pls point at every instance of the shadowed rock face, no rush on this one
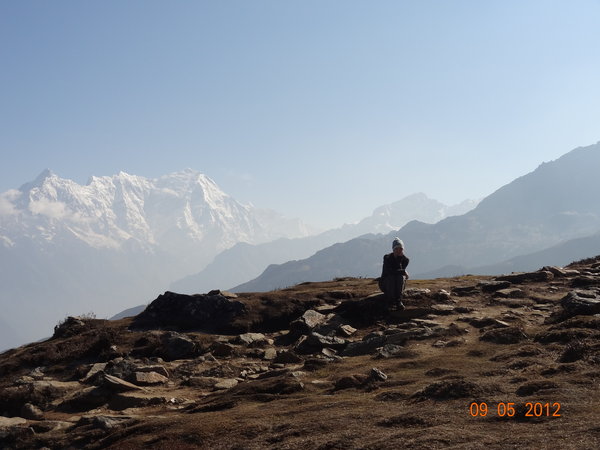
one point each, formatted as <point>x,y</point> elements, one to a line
<point>211,313</point>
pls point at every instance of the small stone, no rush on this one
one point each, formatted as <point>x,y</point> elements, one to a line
<point>11,421</point>
<point>510,293</point>
<point>287,357</point>
<point>226,384</point>
<point>119,384</point>
<point>442,295</point>
<point>94,370</point>
<point>346,330</point>
<point>149,378</point>
<point>249,338</point>
<point>270,354</point>
<point>222,350</point>
<point>31,412</point>
<point>377,375</point>
<point>155,368</point>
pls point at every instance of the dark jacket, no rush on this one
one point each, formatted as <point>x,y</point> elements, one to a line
<point>393,265</point>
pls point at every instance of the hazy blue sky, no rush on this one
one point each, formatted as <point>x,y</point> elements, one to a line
<point>320,109</point>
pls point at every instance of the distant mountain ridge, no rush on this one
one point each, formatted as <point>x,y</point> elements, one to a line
<point>245,261</point>
<point>555,203</point>
<point>115,242</point>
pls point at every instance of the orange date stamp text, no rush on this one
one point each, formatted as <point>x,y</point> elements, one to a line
<point>509,409</point>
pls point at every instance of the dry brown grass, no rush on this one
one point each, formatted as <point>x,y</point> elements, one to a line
<point>425,402</point>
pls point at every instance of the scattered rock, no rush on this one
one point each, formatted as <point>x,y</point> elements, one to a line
<point>71,326</point>
<point>225,294</point>
<point>416,293</point>
<point>315,342</point>
<point>307,323</point>
<point>153,368</point>
<point>556,271</point>
<point>96,369</point>
<point>346,331</point>
<point>442,310</point>
<point>133,399</point>
<point>508,335</point>
<point>287,357</point>
<point>107,423</point>
<point>444,344</point>
<point>442,296</point>
<point>485,322</point>
<point>31,412</point>
<point>364,347</point>
<point>465,291</point>
<point>270,354</point>
<point>117,384</point>
<point>510,293</point>
<point>251,339</point>
<point>515,302</point>
<point>585,281</point>
<point>493,286</point>
<point>11,421</point>
<point>394,351</point>
<point>211,313</point>
<point>226,384</point>
<point>585,303</point>
<point>377,375</point>
<point>177,346</point>
<point>86,399</point>
<point>517,278</point>
<point>222,350</point>
<point>402,336</point>
<point>149,378</point>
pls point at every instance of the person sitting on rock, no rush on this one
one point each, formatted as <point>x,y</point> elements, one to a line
<point>393,275</point>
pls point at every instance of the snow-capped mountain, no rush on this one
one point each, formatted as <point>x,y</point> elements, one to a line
<point>417,206</point>
<point>167,212</point>
<point>67,248</point>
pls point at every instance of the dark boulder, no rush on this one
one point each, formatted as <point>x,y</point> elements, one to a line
<point>493,286</point>
<point>585,281</point>
<point>586,303</point>
<point>210,313</point>
<point>177,346</point>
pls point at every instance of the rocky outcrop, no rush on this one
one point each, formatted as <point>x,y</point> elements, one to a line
<point>581,302</point>
<point>210,313</point>
<point>517,278</point>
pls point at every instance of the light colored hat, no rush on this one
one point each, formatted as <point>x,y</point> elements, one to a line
<point>397,243</point>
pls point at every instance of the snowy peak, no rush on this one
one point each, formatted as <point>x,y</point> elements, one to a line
<point>170,212</point>
<point>417,206</point>
<point>38,181</point>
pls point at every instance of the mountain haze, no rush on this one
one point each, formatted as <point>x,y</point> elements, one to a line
<point>555,203</point>
<point>115,242</point>
<point>246,261</point>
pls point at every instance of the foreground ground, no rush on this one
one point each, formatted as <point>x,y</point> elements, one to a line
<point>473,362</point>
